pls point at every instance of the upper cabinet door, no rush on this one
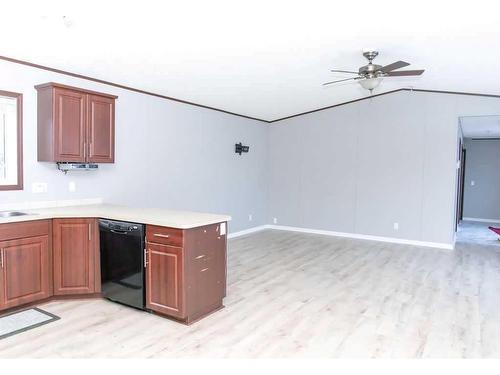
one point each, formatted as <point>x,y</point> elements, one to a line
<point>69,125</point>
<point>101,129</point>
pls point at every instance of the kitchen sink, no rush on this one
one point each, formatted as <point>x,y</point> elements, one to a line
<point>12,213</point>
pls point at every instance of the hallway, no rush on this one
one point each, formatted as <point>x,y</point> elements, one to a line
<point>477,233</point>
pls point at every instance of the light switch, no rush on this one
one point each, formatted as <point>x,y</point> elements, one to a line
<point>472,183</point>
<point>250,217</point>
<point>72,186</point>
<point>396,226</point>
<point>39,187</point>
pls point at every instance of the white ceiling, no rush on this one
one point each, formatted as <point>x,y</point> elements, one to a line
<point>480,126</point>
<point>265,59</point>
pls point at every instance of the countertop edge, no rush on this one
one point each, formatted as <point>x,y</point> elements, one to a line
<point>34,216</point>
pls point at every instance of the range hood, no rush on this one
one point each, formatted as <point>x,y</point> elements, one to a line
<point>65,167</point>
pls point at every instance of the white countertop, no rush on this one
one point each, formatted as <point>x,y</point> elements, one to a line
<point>153,216</point>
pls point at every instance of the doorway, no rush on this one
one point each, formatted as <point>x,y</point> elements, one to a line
<point>478,180</point>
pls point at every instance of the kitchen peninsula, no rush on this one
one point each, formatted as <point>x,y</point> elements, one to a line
<point>55,253</point>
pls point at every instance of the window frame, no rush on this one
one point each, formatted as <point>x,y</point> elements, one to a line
<point>19,104</point>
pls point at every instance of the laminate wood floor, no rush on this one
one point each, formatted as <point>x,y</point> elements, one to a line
<point>301,295</point>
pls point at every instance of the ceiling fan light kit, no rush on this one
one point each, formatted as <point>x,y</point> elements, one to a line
<point>371,75</point>
<point>370,83</point>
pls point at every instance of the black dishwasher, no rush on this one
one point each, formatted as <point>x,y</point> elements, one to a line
<point>122,262</point>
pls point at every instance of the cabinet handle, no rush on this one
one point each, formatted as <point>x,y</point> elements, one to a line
<point>161,235</point>
<point>204,269</point>
<point>90,232</point>
<point>1,258</point>
<point>84,151</point>
<point>145,258</point>
<point>200,256</point>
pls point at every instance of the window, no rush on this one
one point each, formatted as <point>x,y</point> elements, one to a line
<point>11,150</point>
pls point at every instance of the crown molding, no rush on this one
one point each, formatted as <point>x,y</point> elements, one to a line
<point>386,93</point>
<point>336,105</point>
<point>81,76</point>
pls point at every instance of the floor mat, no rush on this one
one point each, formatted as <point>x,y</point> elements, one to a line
<point>22,321</point>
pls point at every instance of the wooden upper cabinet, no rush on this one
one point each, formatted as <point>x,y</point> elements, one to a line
<point>69,125</point>
<point>75,125</point>
<point>76,256</point>
<point>101,129</point>
<point>25,271</point>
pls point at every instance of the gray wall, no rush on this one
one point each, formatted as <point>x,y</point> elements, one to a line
<point>359,168</point>
<point>356,168</point>
<point>168,155</point>
<point>482,201</point>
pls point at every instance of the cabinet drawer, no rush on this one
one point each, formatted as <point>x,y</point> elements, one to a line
<point>24,229</point>
<point>164,235</point>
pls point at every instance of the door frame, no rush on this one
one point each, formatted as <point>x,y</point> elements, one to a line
<point>459,206</point>
<point>463,165</point>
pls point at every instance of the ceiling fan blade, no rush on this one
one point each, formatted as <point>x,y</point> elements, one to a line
<point>405,73</point>
<point>340,80</point>
<point>343,71</point>
<point>394,66</point>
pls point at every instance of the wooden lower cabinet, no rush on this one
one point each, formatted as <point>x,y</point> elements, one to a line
<point>42,258</point>
<point>25,271</point>
<point>25,263</point>
<point>186,281</point>
<point>185,269</point>
<point>164,279</point>
<point>76,256</point>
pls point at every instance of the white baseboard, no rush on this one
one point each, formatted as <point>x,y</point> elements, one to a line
<point>247,231</point>
<point>481,220</point>
<point>439,245</point>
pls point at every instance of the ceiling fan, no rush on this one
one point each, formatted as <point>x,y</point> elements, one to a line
<point>369,76</point>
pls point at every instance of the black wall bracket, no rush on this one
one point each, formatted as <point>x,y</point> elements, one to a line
<point>239,148</point>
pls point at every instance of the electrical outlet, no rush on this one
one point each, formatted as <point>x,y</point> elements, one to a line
<point>396,226</point>
<point>275,220</point>
<point>250,217</point>
<point>39,187</point>
<point>72,186</point>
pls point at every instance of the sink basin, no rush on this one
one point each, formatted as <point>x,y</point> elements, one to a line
<point>11,213</point>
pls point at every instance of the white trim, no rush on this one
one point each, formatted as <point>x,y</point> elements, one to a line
<point>439,245</point>
<point>247,231</point>
<point>481,220</point>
